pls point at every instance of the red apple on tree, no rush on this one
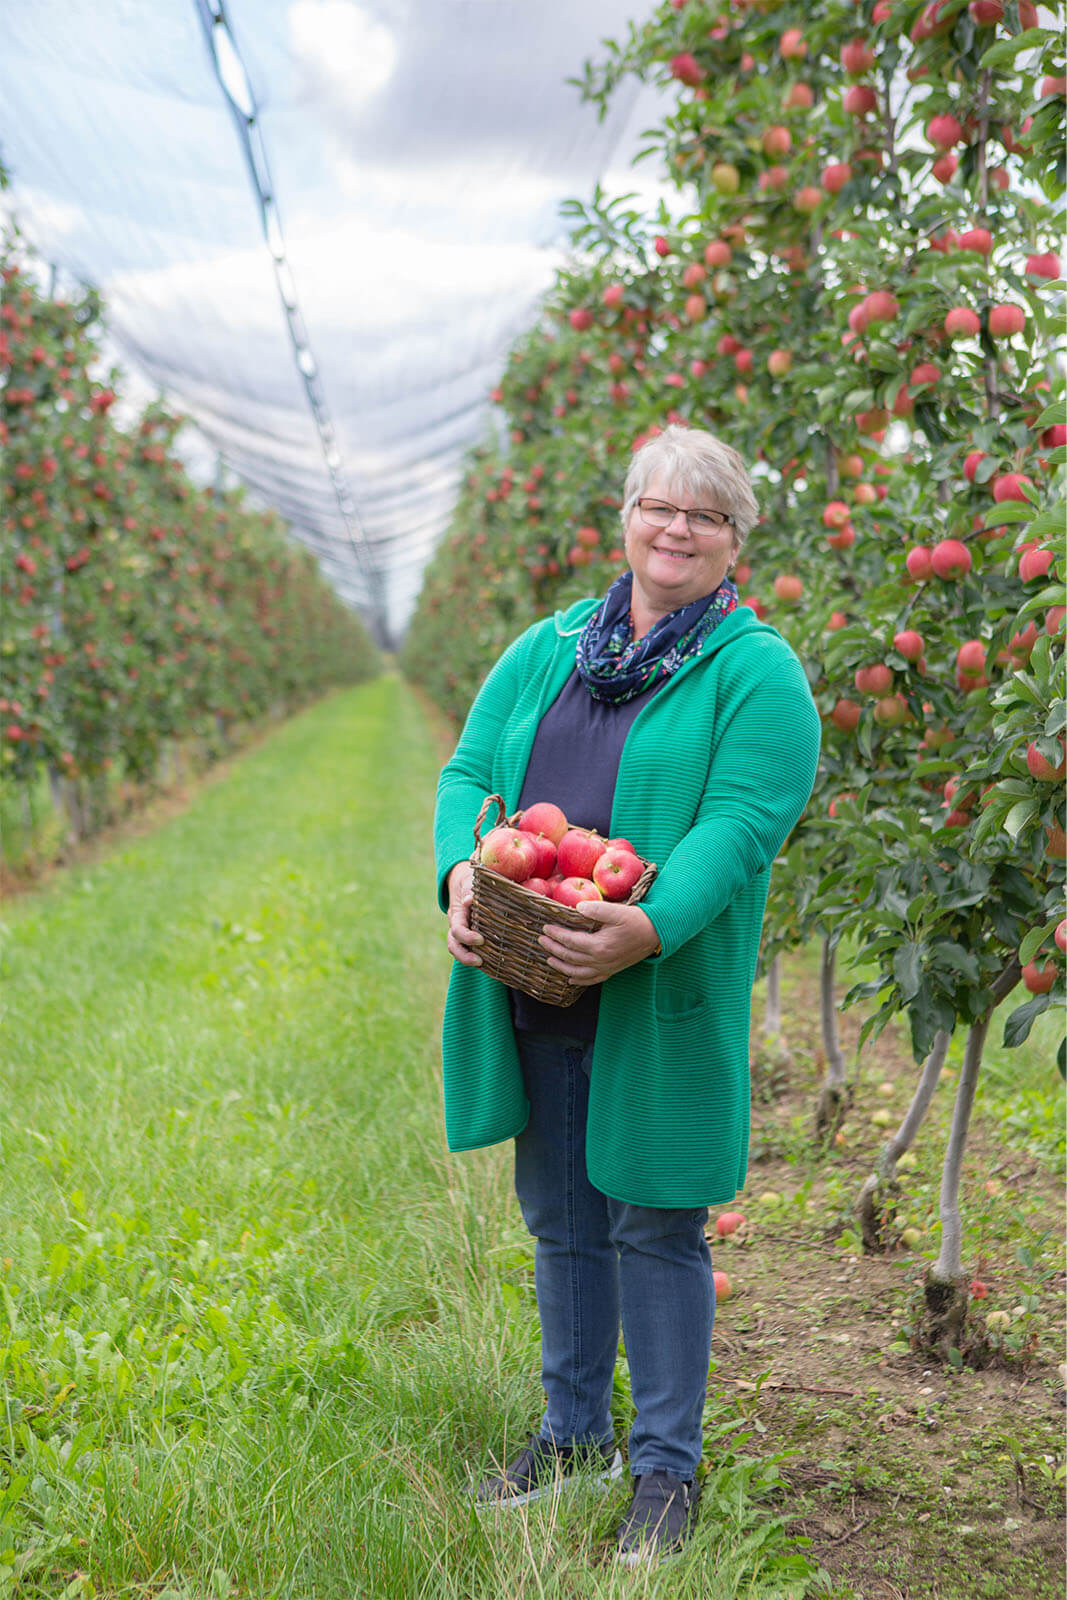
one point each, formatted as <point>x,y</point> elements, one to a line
<point>909,644</point>
<point>1039,980</point>
<point>1040,768</point>
<point>950,559</point>
<point>1005,320</point>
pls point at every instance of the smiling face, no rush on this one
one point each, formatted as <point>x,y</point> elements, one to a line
<point>671,568</point>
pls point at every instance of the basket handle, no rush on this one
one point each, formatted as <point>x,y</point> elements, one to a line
<point>502,817</point>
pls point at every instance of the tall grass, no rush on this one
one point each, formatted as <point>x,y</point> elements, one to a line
<point>258,1331</point>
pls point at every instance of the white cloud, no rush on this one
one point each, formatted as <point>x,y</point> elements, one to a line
<point>345,55</point>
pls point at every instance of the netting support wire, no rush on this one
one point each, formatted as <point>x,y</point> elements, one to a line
<point>233,80</point>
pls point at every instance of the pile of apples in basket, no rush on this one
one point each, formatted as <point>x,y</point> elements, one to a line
<point>545,854</point>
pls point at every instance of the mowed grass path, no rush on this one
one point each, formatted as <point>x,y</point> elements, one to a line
<point>257,1328</point>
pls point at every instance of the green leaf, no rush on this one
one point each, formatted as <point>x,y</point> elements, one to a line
<point>1008,49</point>
<point>1056,412</point>
<point>1035,939</point>
<point>1018,1025</point>
<point>1022,812</point>
<point>907,969</point>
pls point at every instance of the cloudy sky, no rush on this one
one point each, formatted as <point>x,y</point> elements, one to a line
<point>418,150</point>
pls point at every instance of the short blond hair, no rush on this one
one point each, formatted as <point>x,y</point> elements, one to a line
<point>697,462</point>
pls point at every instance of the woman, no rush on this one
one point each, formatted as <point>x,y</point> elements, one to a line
<point>666,714</point>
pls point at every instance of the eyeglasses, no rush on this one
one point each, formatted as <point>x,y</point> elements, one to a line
<point>659,514</point>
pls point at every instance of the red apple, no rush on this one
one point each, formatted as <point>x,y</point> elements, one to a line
<point>620,844</point>
<point>723,1286</point>
<point>857,57</point>
<point>1039,980</point>
<point>728,1223</point>
<point>962,323</point>
<point>580,319</point>
<point>944,131</point>
<point>544,817</point>
<point>536,886</point>
<point>859,100</point>
<point>578,853</point>
<point>950,559</point>
<point>1005,320</point>
<point>980,240</point>
<point>1060,935</point>
<point>545,858</point>
<point>788,588</point>
<point>918,562</point>
<point>616,872</point>
<point>944,168</point>
<point>877,680</point>
<point>1043,266</point>
<point>881,306</point>
<point>687,70</point>
<point>835,176</point>
<point>509,852</point>
<point>1034,563</point>
<point>776,140</point>
<point>971,463</point>
<point>909,644</point>
<point>572,891</point>
<point>845,715</point>
<point>792,46</point>
<point>799,97</point>
<point>1043,770</point>
<point>718,253</point>
<point>1010,486</point>
<point>891,711</point>
<point>971,656</point>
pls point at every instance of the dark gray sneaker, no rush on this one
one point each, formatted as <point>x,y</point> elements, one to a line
<point>660,1518</point>
<point>542,1466</point>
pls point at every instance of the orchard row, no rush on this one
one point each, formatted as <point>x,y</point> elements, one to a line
<point>138,609</point>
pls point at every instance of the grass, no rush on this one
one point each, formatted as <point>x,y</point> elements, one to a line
<point>258,1331</point>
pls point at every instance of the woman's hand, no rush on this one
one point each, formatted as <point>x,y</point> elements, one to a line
<point>625,936</point>
<point>462,938</point>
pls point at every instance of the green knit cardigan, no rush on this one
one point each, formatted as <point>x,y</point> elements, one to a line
<point>715,772</point>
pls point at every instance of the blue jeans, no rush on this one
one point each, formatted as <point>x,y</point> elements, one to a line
<point>598,1260</point>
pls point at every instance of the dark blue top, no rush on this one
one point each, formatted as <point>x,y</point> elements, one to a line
<point>574,763</point>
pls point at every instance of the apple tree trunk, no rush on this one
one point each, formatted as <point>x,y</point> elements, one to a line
<point>835,1094</point>
<point>945,1289</point>
<point>880,1192</point>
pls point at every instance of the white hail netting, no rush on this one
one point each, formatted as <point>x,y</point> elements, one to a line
<point>418,149</point>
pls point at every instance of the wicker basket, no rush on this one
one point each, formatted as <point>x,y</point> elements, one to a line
<point>511,919</point>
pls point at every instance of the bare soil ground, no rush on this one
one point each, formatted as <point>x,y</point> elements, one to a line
<point>910,1479</point>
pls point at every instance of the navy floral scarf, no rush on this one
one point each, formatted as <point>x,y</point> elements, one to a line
<point>614,666</point>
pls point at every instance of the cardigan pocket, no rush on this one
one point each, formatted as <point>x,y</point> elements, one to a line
<point>679,1005</point>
